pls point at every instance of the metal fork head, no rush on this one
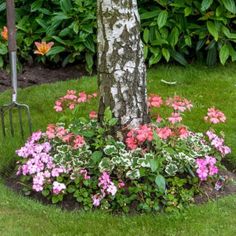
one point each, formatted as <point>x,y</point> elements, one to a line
<point>9,108</point>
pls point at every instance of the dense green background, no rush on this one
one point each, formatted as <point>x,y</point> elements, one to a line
<point>179,31</point>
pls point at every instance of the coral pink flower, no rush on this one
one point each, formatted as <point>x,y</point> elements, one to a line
<point>179,104</point>
<point>154,101</point>
<point>164,133</point>
<point>82,97</point>
<point>159,119</point>
<point>183,132</point>
<point>215,116</point>
<point>51,131</point>
<point>93,115</point>
<point>138,136</point>
<point>79,142</point>
<point>175,117</point>
<point>58,106</point>
<point>121,184</point>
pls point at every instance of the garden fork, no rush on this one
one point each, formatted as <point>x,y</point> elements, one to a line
<point>14,105</point>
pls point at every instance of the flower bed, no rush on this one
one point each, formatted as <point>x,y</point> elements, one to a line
<point>157,166</point>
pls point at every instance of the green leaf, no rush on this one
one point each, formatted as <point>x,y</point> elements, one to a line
<point>107,114</point>
<point>161,183</point>
<point>97,156</point>
<point>36,5</point>
<point>206,4</point>
<point>166,54</point>
<point>66,5</point>
<point>230,5</point>
<point>162,19</point>
<point>89,60</point>
<point>212,30</point>
<point>224,54</point>
<point>154,59</point>
<point>3,49</point>
<point>211,56</point>
<point>179,58</point>
<point>55,50</point>
<point>1,62</point>
<point>146,35</point>
<point>174,36</point>
<point>148,15</point>
<point>187,11</point>
<point>145,51</point>
<point>154,165</point>
<point>3,6</point>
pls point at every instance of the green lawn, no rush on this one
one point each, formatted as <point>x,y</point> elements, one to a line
<point>205,87</point>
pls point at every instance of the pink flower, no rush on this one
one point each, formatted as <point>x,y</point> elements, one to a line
<point>97,200</point>
<point>112,189</point>
<point>159,119</point>
<point>58,187</point>
<point>183,132</point>
<point>138,136</point>
<point>58,106</point>
<point>121,184</point>
<point>206,167</point>
<point>72,106</point>
<point>154,101</point>
<point>93,115</point>
<point>215,116</point>
<point>82,97</point>
<point>84,173</point>
<point>79,142</point>
<point>175,117</point>
<point>164,133</point>
<point>51,131</point>
<point>179,104</point>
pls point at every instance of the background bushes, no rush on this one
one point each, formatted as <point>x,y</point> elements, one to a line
<point>172,30</point>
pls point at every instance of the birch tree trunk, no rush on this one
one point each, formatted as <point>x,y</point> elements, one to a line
<point>121,68</point>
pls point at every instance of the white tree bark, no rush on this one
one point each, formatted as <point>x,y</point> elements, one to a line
<point>121,68</point>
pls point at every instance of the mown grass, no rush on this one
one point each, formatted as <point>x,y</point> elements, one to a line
<point>205,87</point>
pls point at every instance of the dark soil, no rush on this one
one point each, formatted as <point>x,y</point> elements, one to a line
<point>208,192</point>
<point>34,75</point>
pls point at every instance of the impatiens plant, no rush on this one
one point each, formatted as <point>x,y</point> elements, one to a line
<point>157,166</point>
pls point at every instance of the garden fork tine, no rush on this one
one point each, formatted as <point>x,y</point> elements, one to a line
<point>13,62</point>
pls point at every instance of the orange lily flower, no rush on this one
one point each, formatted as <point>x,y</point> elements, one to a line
<point>4,33</point>
<point>43,47</point>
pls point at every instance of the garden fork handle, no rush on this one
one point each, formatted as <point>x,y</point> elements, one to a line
<point>12,45</point>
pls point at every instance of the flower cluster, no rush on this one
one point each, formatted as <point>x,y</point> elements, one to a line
<point>218,143</point>
<point>54,131</point>
<point>136,137</point>
<point>107,187</point>
<point>39,162</point>
<point>72,99</point>
<point>154,101</point>
<point>215,116</point>
<point>84,161</point>
<point>206,167</point>
<point>179,104</point>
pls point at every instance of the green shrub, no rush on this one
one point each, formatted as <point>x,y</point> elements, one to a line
<point>172,30</point>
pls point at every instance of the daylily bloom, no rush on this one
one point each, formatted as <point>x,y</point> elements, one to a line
<point>4,33</point>
<point>43,47</point>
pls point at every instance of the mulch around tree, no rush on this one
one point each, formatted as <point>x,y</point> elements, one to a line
<point>35,75</point>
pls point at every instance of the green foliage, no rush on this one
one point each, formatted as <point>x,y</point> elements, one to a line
<point>177,30</point>
<point>183,30</point>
